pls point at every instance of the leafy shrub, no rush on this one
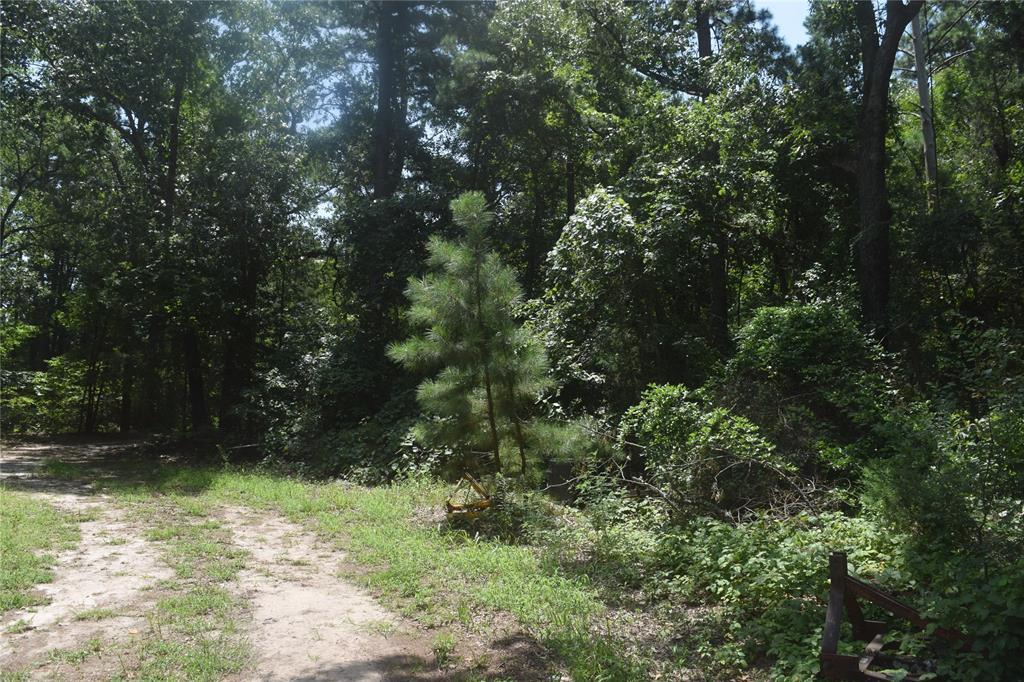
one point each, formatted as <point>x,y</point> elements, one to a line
<point>975,365</point>
<point>959,499</point>
<point>705,458</point>
<point>813,382</point>
<point>771,577</point>
<point>44,402</point>
<point>965,490</point>
<point>373,451</point>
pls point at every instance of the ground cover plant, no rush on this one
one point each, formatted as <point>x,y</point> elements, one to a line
<point>31,532</point>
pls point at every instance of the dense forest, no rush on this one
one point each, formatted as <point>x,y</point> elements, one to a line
<point>739,304</point>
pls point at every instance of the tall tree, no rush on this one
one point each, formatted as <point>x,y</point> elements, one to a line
<point>924,95</point>
<point>878,55</point>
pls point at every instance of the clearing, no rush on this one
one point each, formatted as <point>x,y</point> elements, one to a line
<point>180,586</point>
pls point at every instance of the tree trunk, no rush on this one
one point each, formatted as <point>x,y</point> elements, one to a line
<point>388,155</point>
<point>238,356</point>
<point>927,123</point>
<point>196,386</point>
<point>570,187</point>
<point>873,267</point>
<point>718,304</point>
<point>534,237</point>
<point>704,36</point>
<point>718,299</point>
<point>127,386</point>
<point>491,420</point>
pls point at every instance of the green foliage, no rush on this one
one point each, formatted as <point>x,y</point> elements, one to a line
<point>771,578</point>
<point>965,491</point>
<point>814,382</point>
<point>48,401</point>
<point>707,459</point>
<point>594,317</point>
<point>489,366</point>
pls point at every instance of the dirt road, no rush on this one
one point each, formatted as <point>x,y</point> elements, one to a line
<point>296,618</point>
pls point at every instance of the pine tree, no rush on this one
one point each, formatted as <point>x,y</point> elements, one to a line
<point>488,366</point>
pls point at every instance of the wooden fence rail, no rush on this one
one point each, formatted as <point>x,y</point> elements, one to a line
<point>843,595</point>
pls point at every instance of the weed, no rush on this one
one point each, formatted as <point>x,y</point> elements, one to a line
<point>17,627</point>
<point>96,614</point>
<point>444,647</point>
<point>76,656</point>
<point>385,628</point>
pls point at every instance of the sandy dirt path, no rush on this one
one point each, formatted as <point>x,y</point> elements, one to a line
<point>306,623</point>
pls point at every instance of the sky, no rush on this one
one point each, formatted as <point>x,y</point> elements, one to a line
<point>789,16</point>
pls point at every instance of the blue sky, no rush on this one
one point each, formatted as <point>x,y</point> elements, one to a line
<point>789,16</point>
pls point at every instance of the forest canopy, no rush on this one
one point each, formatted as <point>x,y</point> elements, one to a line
<point>749,295</point>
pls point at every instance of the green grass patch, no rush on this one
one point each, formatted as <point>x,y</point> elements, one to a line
<point>65,471</point>
<point>17,627</point>
<point>193,632</point>
<point>13,676</point>
<point>96,614</point>
<point>78,655</point>
<point>30,530</point>
<point>435,576</point>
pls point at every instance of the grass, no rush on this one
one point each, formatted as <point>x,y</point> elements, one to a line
<point>30,531</point>
<point>64,471</point>
<point>435,576</point>
<point>18,626</point>
<point>78,655</point>
<point>193,631</point>
<point>443,647</point>
<point>96,614</point>
<point>442,578</point>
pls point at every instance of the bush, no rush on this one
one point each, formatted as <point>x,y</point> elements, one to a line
<point>814,383</point>
<point>705,458</point>
<point>965,491</point>
<point>44,402</point>
<point>771,578</point>
<point>959,499</point>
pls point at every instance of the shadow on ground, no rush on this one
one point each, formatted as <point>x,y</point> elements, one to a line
<point>71,465</point>
<point>518,657</point>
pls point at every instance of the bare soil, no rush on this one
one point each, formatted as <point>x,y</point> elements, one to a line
<point>306,622</point>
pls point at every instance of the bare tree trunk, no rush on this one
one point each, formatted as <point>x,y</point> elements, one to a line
<point>491,421</point>
<point>196,385</point>
<point>873,266</point>
<point>927,123</point>
<point>704,35</point>
<point>718,299</point>
<point>534,237</point>
<point>127,386</point>
<point>388,151</point>
<point>570,187</point>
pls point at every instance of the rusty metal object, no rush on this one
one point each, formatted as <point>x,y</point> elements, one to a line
<point>472,508</point>
<point>844,590</point>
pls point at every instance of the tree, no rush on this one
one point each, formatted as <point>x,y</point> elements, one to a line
<point>878,58</point>
<point>490,364</point>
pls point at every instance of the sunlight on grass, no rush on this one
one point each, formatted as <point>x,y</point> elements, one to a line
<point>65,471</point>
<point>426,573</point>
<point>434,575</point>
<point>194,632</point>
<point>30,530</point>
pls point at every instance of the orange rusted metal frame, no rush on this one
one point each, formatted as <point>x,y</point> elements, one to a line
<point>469,509</point>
